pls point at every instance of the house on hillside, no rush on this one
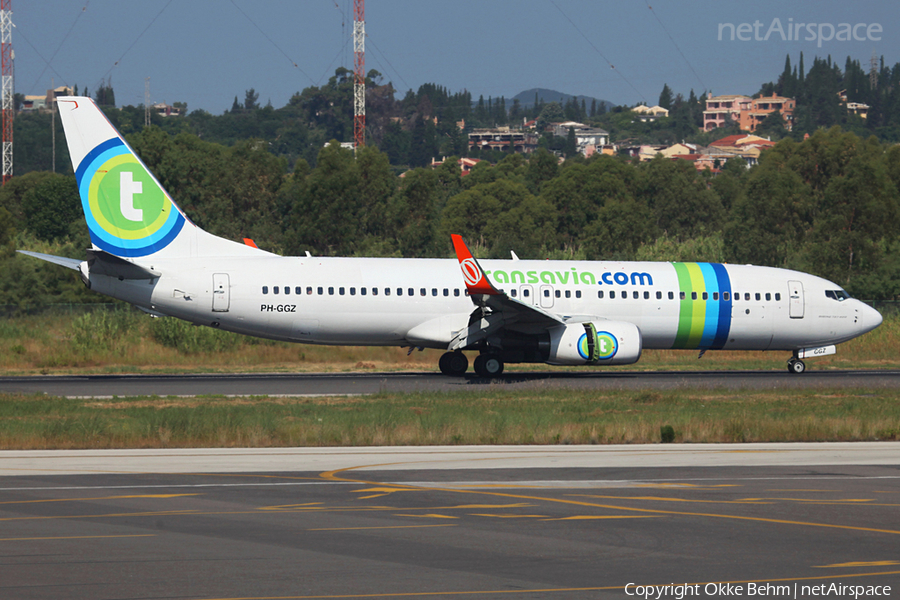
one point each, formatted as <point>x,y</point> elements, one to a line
<point>587,139</point>
<point>746,112</point>
<point>502,138</point>
<point>645,113</point>
<point>47,101</point>
<point>722,110</point>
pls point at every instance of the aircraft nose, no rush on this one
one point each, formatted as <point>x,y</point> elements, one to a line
<point>871,318</point>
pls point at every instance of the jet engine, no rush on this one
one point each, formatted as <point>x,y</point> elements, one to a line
<point>595,343</point>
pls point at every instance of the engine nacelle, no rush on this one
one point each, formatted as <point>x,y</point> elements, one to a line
<point>595,343</point>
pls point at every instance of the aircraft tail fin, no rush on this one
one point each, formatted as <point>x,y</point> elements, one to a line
<point>128,212</point>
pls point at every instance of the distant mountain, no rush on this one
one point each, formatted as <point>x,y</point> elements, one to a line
<point>526,98</point>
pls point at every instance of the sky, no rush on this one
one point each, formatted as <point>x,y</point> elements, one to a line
<point>206,52</point>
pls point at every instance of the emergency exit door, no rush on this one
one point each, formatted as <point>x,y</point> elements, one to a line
<point>795,292</point>
<point>221,295</point>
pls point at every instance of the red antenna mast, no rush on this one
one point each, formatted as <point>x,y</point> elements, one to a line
<point>6,90</point>
<point>359,71</point>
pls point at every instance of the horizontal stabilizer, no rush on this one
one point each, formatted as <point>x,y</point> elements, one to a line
<point>104,263</point>
<point>69,263</point>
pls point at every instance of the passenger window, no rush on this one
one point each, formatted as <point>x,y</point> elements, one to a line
<point>671,295</point>
<point>320,291</point>
<point>600,294</point>
<point>265,289</point>
<point>578,293</point>
<point>646,295</point>
<point>757,296</point>
<point>387,291</point>
<point>777,296</point>
<point>309,291</point>
<point>558,294</point>
<point>725,296</point>
<point>412,292</point>
<point>747,296</point>
<point>693,295</point>
<point>446,292</point>
<point>526,293</point>
<point>298,290</point>
<point>353,291</point>
<point>422,292</point>
<point>511,293</point>
<point>546,293</point>
<point>768,296</point>
<point>434,291</point>
<point>399,291</point>
<point>362,291</point>
<point>287,290</point>
<point>612,294</point>
<point>636,295</point>
<point>456,292</point>
<point>341,291</point>
<point>331,291</point>
<point>659,295</point>
<point>715,295</point>
<point>682,295</point>
<point>374,291</point>
<point>275,289</point>
<point>706,295</point>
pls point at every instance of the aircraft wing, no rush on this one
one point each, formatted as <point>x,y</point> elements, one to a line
<point>495,310</point>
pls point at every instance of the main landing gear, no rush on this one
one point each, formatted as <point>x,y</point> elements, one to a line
<point>453,364</point>
<point>795,365</point>
<point>456,363</point>
<point>488,365</point>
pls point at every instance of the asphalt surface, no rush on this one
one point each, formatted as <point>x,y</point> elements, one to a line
<point>314,384</point>
<point>520,522</point>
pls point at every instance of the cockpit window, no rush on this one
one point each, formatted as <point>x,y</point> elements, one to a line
<point>839,295</point>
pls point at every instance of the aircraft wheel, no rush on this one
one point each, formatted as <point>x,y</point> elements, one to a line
<point>453,364</point>
<point>488,365</point>
<point>796,366</point>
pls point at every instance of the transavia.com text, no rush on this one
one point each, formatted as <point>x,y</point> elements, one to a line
<point>768,590</point>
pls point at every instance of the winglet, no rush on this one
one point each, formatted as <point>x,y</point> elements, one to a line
<point>476,281</point>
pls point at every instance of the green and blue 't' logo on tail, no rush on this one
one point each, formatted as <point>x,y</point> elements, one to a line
<point>127,211</point>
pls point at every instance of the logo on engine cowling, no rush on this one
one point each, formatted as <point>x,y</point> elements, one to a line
<point>605,346</point>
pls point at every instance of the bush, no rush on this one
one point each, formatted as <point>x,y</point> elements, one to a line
<point>192,339</point>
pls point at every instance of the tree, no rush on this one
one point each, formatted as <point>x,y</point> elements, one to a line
<point>571,143</point>
<point>251,100</point>
<point>51,206</point>
<point>551,113</point>
<point>666,97</point>
<point>105,96</point>
<point>542,167</point>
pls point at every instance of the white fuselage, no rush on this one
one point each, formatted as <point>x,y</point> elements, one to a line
<point>423,302</point>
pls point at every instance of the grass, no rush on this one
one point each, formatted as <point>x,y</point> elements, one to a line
<point>127,341</point>
<point>495,417</point>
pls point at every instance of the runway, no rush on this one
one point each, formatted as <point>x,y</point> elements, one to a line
<point>316,384</point>
<point>458,522</point>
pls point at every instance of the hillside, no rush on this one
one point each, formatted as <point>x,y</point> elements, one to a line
<point>526,98</point>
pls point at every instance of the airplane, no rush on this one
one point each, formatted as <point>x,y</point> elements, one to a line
<point>146,251</point>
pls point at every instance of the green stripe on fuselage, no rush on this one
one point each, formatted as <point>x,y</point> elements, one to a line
<point>691,313</point>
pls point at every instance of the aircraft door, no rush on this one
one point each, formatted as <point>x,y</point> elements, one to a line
<point>546,296</point>
<point>221,292</point>
<point>795,292</point>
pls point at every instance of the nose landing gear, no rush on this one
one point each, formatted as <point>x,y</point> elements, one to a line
<point>795,365</point>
